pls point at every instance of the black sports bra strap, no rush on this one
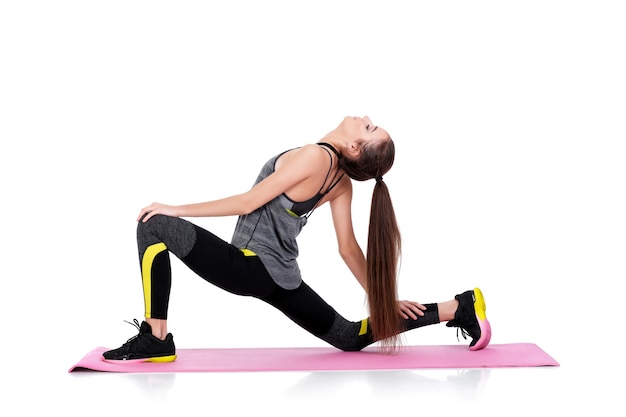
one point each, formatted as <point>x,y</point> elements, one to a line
<point>331,147</point>
<point>336,177</point>
<point>328,173</point>
<point>335,180</point>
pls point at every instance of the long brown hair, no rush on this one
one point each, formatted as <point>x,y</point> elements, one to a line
<point>384,245</point>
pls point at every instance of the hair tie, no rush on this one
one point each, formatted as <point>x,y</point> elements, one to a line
<point>379,179</point>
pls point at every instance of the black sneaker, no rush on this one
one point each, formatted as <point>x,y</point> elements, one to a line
<point>470,318</point>
<point>144,347</point>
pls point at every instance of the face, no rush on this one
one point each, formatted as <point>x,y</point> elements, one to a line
<point>367,149</point>
<point>362,130</point>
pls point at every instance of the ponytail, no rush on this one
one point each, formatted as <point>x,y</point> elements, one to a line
<point>384,248</point>
<point>384,243</point>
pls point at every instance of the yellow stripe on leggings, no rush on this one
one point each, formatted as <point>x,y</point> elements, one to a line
<point>363,327</point>
<point>146,274</point>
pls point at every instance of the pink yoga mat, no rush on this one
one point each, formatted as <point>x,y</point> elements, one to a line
<point>329,359</point>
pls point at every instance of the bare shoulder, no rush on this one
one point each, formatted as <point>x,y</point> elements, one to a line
<point>313,151</point>
<point>307,157</point>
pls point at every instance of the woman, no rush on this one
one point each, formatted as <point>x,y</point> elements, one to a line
<point>261,260</point>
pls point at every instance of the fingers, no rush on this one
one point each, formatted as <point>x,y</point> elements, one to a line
<point>411,309</point>
<point>156,208</point>
<point>147,212</point>
<point>145,216</point>
<point>407,316</point>
<point>142,213</point>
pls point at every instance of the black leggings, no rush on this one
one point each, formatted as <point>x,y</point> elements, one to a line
<point>227,267</point>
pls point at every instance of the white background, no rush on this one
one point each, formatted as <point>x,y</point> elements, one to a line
<point>508,119</point>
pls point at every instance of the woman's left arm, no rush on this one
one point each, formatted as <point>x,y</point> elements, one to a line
<point>349,249</point>
<point>351,252</point>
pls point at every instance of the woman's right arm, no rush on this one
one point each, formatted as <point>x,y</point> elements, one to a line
<point>234,205</point>
<point>303,164</point>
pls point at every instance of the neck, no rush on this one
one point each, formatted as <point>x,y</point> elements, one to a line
<point>335,139</point>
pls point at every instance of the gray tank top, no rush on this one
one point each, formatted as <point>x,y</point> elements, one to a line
<point>270,231</point>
